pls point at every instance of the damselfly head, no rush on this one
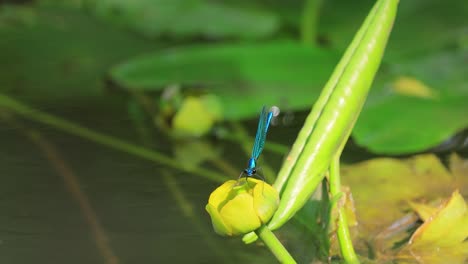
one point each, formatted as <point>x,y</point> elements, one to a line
<point>275,110</point>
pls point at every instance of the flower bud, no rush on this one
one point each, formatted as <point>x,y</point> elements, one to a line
<point>239,207</point>
<point>196,116</point>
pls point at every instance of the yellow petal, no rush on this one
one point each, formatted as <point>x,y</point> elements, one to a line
<point>266,200</point>
<point>221,194</point>
<point>217,221</point>
<point>240,215</point>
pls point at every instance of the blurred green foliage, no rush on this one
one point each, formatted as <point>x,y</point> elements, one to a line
<point>249,53</point>
<point>182,18</point>
<point>244,76</point>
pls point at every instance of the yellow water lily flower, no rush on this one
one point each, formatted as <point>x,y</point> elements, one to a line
<point>239,207</point>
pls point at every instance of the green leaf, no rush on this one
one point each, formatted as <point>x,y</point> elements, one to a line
<point>411,37</point>
<point>396,123</point>
<point>53,54</point>
<point>330,122</point>
<point>185,18</point>
<point>417,125</point>
<point>243,76</point>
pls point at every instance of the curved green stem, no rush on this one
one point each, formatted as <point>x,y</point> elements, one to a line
<point>272,242</point>
<point>112,142</point>
<point>344,238</point>
<point>309,22</point>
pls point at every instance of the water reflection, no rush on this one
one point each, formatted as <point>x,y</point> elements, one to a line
<point>43,219</point>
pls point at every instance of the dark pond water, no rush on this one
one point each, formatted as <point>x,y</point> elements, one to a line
<point>64,199</point>
<point>131,216</point>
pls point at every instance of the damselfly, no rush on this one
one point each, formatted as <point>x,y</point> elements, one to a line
<point>262,129</point>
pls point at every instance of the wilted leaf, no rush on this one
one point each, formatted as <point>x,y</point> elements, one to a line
<point>441,239</point>
<point>459,168</point>
<point>382,187</point>
<point>423,210</point>
<point>350,206</point>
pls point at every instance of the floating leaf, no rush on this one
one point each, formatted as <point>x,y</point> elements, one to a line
<point>382,187</point>
<point>411,37</point>
<point>393,123</point>
<point>459,168</point>
<point>243,76</point>
<point>185,18</point>
<point>441,239</point>
<point>424,211</point>
<point>53,54</point>
<point>390,127</point>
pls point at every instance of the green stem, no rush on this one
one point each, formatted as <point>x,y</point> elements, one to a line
<point>309,22</point>
<point>108,141</point>
<point>334,113</point>
<point>274,245</point>
<point>344,238</point>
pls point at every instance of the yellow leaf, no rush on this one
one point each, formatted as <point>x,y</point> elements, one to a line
<point>446,227</point>
<point>441,239</point>
<point>424,211</point>
<point>382,187</point>
<point>459,169</point>
<point>410,86</point>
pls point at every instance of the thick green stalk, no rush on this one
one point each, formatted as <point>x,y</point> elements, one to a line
<point>115,143</point>
<point>274,245</point>
<point>344,238</point>
<point>333,116</point>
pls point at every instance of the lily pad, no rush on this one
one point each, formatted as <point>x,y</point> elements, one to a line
<point>395,121</point>
<point>185,18</point>
<point>54,54</point>
<point>411,36</point>
<point>243,76</point>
